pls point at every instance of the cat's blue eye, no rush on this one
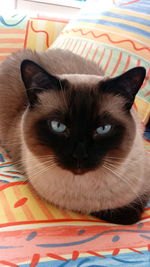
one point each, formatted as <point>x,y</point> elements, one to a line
<point>58,127</point>
<point>104,129</point>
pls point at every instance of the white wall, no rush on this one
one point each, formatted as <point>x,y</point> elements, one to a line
<point>44,6</point>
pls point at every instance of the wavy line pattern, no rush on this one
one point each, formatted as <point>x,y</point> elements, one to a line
<point>96,36</point>
<point>41,31</point>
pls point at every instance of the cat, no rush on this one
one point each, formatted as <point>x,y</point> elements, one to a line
<point>74,133</point>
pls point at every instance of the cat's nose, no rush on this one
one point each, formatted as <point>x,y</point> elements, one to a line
<point>80,152</point>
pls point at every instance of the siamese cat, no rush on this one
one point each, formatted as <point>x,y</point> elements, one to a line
<point>75,134</point>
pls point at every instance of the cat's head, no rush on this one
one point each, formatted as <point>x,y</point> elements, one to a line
<point>78,121</point>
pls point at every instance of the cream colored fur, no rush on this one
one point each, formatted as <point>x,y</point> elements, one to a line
<point>96,190</point>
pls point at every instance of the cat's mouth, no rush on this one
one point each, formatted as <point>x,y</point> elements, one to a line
<point>79,171</point>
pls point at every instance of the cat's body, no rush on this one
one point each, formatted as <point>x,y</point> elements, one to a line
<point>81,168</point>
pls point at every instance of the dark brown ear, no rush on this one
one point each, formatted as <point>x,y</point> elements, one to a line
<point>126,85</point>
<point>36,80</point>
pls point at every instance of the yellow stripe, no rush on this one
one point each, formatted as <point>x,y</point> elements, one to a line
<point>10,45</point>
<point>119,20</point>
<point>3,217</point>
<point>10,35</point>
<point>130,13</point>
<point>32,203</point>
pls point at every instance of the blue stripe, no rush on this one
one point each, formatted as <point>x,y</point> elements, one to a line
<point>127,17</point>
<point>118,25</point>
<point>6,165</point>
<point>140,7</point>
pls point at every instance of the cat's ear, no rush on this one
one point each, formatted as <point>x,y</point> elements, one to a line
<point>127,84</point>
<point>36,80</point>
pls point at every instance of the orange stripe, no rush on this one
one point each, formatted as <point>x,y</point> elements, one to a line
<point>10,216</point>
<point>3,57</point>
<point>79,46</point>
<point>117,64</point>
<point>83,49</point>
<point>11,40</point>
<point>42,205</point>
<point>108,61</point>
<point>8,50</point>
<point>70,44</point>
<point>146,79</point>
<point>26,34</point>
<point>15,31</point>
<point>102,55</point>
<point>67,43</point>
<point>74,45</point>
<point>127,63</point>
<point>25,207</point>
<point>94,55</point>
<point>138,63</point>
<point>89,50</point>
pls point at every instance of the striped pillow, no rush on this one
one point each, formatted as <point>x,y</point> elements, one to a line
<point>116,35</point>
<point>12,32</point>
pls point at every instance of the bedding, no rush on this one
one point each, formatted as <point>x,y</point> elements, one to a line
<point>35,233</point>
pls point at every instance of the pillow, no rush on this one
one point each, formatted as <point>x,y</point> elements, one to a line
<point>41,32</point>
<point>12,32</point>
<point>116,35</point>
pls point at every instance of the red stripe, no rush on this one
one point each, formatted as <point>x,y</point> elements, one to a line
<point>6,163</point>
<point>127,63</point>
<point>117,64</point>
<point>7,176</point>
<point>78,46</point>
<point>70,44</point>
<point>12,184</point>
<point>140,252</point>
<point>116,251</point>
<point>102,55</point>
<point>138,63</point>
<point>108,61</point>
<point>52,19</point>
<point>94,55</point>
<point>46,221</point>
<point>83,49</point>
<point>95,254</point>
<point>88,50</point>
<point>75,255</point>
<point>67,43</point>
<point>146,79</point>
<point>41,31</point>
<point>35,260</point>
<point>26,34</point>
<point>9,263</point>
<point>56,257</point>
<point>74,45</point>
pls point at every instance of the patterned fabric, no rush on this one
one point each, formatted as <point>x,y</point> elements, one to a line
<point>12,33</point>
<point>36,32</point>
<point>116,35</point>
<point>35,233</point>
<point>41,32</point>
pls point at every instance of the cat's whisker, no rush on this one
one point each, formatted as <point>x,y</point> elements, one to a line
<point>40,172</point>
<point>127,182</point>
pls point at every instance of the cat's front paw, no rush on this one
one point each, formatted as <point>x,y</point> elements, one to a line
<point>125,215</point>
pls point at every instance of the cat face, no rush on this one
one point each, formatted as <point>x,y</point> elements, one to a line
<point>79,121</point>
